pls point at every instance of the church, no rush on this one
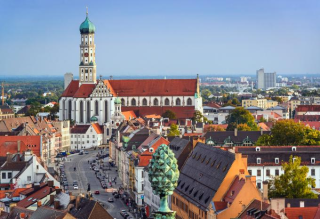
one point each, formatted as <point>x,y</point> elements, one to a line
<point>91,99</point>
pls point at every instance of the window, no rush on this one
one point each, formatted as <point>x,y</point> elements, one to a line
<point>257,148</point>
<point>189,102</point>
<point>167,102</point>
<point>313,172</point>
<point>9,175</point>
<point>122,102</point>
<point>259,185</point>
<point>250,172</point>
<point>133,102</point>
<point>276,160</point>
<point>258,172</point>
<point>88,136</point>
<point>29,178</point>
<point>156,102</point>
<point>4,175</point>
<point>71,142</point>
<point>178,102</point>
<point>294,149</point>
<point>144,102</point>
<point>71,136</point>
<point>313,160</point>
<point>258,160</point>
<point>268,172</point>
<point>88,141</point>
<point>96,108</point>
<point>277,172</point>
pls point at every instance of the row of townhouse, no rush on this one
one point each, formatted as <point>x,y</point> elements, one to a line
<point>54,135</point>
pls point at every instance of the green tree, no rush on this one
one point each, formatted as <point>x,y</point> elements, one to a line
<point>294,183</point>
<point>264,140</point>
<point>262,119</point>
<point>173,130</point>
<point>205,94</point>
<point>169,114</point>
<point>287,132</point>
<point>34,109</point>
<point>240,116</point>
<point>243,127</point>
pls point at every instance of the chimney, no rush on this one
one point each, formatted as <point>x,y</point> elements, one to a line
<point>261,131</point>
<point>265,190</point>
<point>78,201</point>
<point>235,132</point>
<point>39,203</point>
<point>56,204</point>
<point>58,191</point>
<point>19,146</point>
<point>22,215</point>
<point>36,186</point>
<point>51,199</point>
<point>9,157</point>
<point>50,183</point>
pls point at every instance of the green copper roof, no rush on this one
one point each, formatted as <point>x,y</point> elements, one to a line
<point>117,100</point>
<point>93,119</point>
<point>87,26</point>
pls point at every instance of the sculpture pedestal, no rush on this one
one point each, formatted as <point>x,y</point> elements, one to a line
<point>164,215</point>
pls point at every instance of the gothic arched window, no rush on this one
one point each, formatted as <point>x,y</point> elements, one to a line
<point>167,102</point>
<point>69,109</point>
<point>81,111</point>
<point>178,102</point>
<point>189,102</point>
<point>144,102</point>
<point>96,108</point>
<point>123,103</point>
<point>88,111</point>
<point>106,111</point>
<point>156,102</point>
<point>133,102</point>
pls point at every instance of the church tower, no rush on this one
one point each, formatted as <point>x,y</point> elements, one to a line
<point>87,67</point>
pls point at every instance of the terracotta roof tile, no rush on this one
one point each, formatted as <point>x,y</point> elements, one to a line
<point>234,189</point>
<point>144,160</point>
<point>97,128</point>
<point>40,194</point>
<point>155,87</point>
<point>153,116</point>
<point>129,115</point>
<point>107,83</point>
<point>71,89</point>
<point>79,129</point>
<point>84,90</point>
<point>10,144</point>
<point>307,212</point>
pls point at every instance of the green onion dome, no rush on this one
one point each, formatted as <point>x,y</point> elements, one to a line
<point>87,26</point>
<point>93,119</point>
<point>117,100</point>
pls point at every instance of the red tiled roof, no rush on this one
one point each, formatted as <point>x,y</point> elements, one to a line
<point>81,129</point>
<point>40,194</point>
<point>234,189</point>
<point>16,192</point>
<point>181,112</point>
<point>192,134</point>
<point>306,213</point>
<point>84,90</point>
<point>97,128</point>
<point>3,193</point>
<point>311,124</point>
<point>307,117</point>
<point>10,144</point>
<point>306,108</point>
<point>213,104</point>
<point>129,115</point>
<point>144,160</point>
<point>153,116</point>
<point>220,205</point>
<point>264,126</point>
<point>107,83</point>
<point>71,89</point>
<point>155,87</point>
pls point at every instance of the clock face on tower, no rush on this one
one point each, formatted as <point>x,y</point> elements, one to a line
<point>86,54</point>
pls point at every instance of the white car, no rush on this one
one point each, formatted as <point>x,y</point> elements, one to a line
<point>75,187</point>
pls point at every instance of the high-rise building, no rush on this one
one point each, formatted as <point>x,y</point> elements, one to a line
<point>265,80</point>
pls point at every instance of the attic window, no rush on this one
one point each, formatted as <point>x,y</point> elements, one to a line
<point>232,193</point>
<point>258,160</point>
<point>195,194</point>
<point>208,160</point>
<point>191,190</point>
<point>207,199</point>
<point>213,162</point>
<point>200,197</point>
<point>199,157</point>
<point>294,148</point>
<point>203,159</point>
<point>194,155</point>
<point>257,148</point>
<point>186,189</point>
<point>182,185</point>
<point>224,169</point>
<point>179,182</point>
<point>313,160</point>
<point>276,160</point>
<point>218,165</point>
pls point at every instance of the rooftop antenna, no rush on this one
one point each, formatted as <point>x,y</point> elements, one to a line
<point>111,77</point>
<point>100,77</point>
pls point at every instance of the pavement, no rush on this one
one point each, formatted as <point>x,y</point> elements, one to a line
<point>85,175</point>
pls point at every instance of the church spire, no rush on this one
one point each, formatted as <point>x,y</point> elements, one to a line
<point>87,11</point>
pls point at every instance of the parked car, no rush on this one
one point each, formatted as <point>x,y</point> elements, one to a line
<point>97,192</point>
<point>110,200</point>
<point>81,153</point>
<point>86,152</point>
<point>75,186</point>
<point>124,214</point>
<point>65,183</point>
<point>75,182</point>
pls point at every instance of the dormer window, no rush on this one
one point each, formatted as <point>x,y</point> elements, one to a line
<point>257,148</point>
<point>294,148</point>
<point>258,160</point>
<point>276,160</point>
<point>313,160</point>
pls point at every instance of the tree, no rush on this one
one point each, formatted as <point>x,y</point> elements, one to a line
<point>173,130</point>
<point>214,128</point>
<point>240,116</point>
<point>262,119</point>
<point>294,183</point>
<point>198,117</point>
<point>205,94</point>
<point>243,127</point>
<point>264,140</point>
<point>169,114</point>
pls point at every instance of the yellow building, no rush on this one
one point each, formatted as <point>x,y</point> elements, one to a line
<point>213,183</point>
<point>6,112</point>
<point>262,103</point>
<point>294,102</point>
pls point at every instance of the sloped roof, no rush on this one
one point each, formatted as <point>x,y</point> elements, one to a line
<point>180,111</point>
<point>155,87</point>
<point>71,89</point>
<point>234,189</point>
<point>129,115</point>
<point>79,129</point>
<point>16,211</point>
<point>89,209</point>
<point>306,212</point>
<point>144,160</point>
<point>203,173</point>
<point>49,213</point>
<point>10,144</point>
<point>177,145</point>
<point>219,137</point>
<point>84,90</point>
<point>306,108</point>
<point>97,128</point>
<point>253,204</point>
<point>33,198</point>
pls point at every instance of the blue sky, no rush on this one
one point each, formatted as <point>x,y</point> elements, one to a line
<point>162,37</point>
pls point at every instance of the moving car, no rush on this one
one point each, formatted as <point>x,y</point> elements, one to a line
<point>110,200</point>
<point>97,192</point>
<point>75,182</point>
<point>86,152</point>
<point>75,187</point>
